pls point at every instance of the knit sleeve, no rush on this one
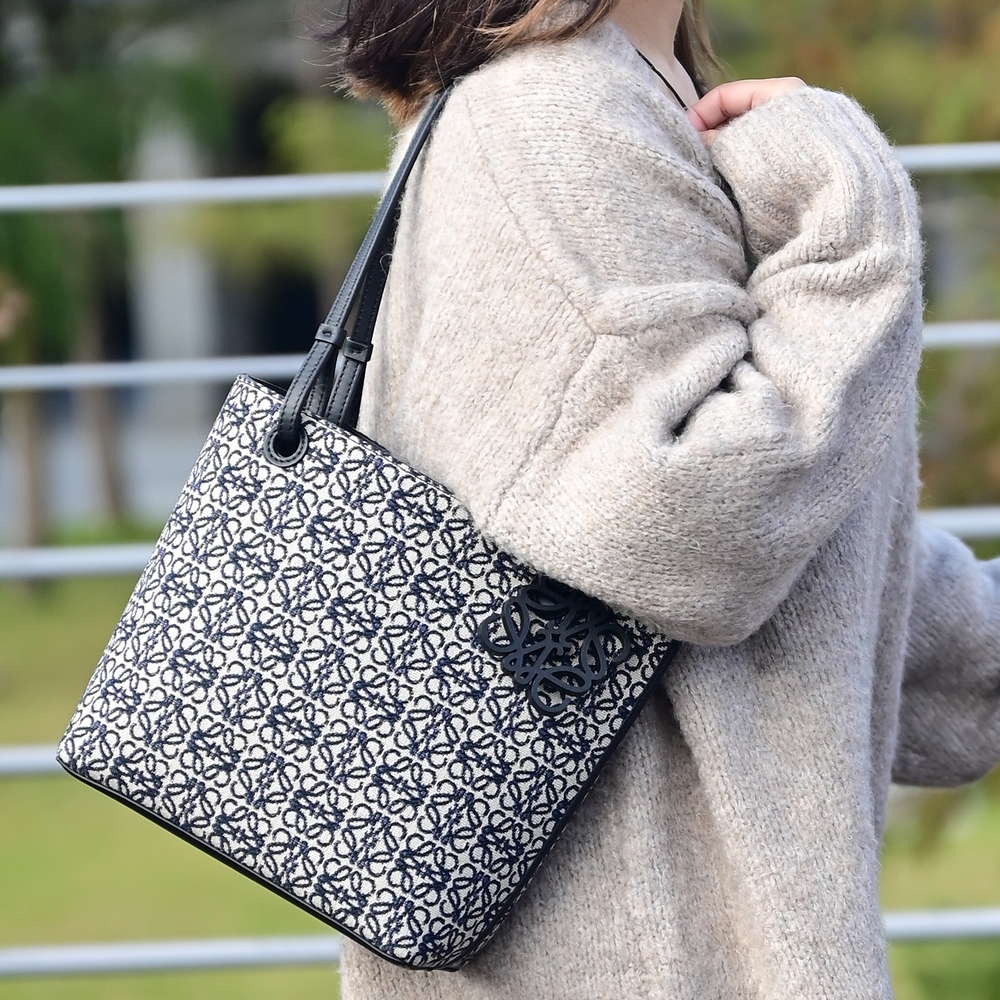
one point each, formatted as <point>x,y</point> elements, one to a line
<point>739,427</point>
<point>949,719</point>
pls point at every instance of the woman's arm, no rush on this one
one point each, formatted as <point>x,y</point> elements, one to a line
<point>949,718</point>
<point>587,365</point>
<point>699,456</point>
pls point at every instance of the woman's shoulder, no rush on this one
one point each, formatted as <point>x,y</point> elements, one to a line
<point>597,62</point>
<point>591,92</point>
<point>576,145</point>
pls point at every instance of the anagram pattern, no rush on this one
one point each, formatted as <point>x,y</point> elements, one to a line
<point>297,685</point>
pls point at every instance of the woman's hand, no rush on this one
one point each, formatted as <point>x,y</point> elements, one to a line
<point>730,100</point>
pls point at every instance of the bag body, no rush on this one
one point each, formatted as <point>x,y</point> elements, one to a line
<point>329,679</point>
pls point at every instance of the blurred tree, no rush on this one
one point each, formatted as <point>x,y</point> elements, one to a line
<point>926,69</point>
<point>70,107</point>
<point>306,135</point>
<point>929,71</point>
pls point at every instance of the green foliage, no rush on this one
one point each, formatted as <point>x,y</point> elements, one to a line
<point>192,91</point>
<point>327,135</point>
<point>940,852</point>
<point>34,265</point>
<point>307,135</point>
<point>967,970</point>
<point>961,419</point>
<point>73,116</point>
<point>56,131</point>
<point>927,69</point>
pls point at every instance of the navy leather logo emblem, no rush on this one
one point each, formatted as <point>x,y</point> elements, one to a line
<point>555,642</point>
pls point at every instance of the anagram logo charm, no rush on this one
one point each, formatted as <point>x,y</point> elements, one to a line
<point>555,642</point>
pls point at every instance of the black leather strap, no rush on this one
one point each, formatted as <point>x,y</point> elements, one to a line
<point>362,288</point>
<point>345,399</point>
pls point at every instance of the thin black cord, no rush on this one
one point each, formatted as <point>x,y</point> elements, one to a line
<point>664,79</point>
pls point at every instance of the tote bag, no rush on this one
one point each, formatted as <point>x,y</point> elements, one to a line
<point>327,678</point>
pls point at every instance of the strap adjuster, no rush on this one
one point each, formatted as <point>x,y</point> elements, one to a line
<point>328,335</point>
<point>357,350</point>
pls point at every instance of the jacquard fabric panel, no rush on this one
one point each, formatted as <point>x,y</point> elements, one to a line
<point>298,685</point>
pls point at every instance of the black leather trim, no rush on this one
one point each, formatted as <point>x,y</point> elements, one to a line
<point>329,335</point>
<point>280,459</point>
<point>344,392</point>
<point>345,399</point>
<point>482,940</point>
<point>289,424</point>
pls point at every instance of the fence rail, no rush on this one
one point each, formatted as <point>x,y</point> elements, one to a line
<point>168,956</point>
<point>324,949</point>
<point>28,761</point>
<point>20,378</point>
<point>23,378</point>
<point>957,156</point>
<point>287,187</point>
<point>74,560</point>
<point>985,333</point>
<point>201,190</point>
<point>970,523</point>
<point>940,925</point>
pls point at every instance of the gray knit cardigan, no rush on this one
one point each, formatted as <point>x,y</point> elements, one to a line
<point>706,417</point>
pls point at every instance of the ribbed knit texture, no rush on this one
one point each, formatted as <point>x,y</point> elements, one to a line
<point>705,417</point>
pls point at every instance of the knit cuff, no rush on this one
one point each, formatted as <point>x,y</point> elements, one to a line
<point>780,158</point>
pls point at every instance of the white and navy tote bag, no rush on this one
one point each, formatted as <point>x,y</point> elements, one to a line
<point>330,680</point>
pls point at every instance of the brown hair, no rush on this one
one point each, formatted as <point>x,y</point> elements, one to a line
<point>401,51</point>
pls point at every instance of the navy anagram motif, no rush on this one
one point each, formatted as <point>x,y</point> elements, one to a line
<point>555,642</point>
<point>298,685</point>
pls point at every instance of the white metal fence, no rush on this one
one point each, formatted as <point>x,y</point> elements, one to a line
<point>36,761</point>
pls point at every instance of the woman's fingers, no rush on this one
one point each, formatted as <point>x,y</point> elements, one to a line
<point>730,100</point>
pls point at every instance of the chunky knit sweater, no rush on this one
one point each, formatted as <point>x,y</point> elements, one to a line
<point>698,405</point>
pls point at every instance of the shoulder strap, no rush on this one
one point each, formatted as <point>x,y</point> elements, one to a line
<point>360,296</point>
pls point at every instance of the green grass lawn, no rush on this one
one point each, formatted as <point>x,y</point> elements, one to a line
<point>75,866</point>
<point>957,866</point>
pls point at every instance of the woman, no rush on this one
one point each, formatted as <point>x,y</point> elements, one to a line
<point>679,374</point>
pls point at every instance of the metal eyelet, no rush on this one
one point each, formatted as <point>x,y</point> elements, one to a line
<point>284,461</point>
